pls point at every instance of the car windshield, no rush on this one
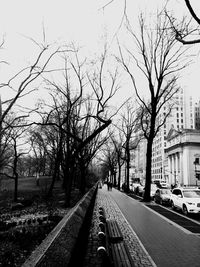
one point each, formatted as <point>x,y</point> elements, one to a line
<point>192,193</point>
<point>166,191</point>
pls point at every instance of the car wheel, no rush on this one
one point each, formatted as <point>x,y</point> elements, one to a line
<point>185,211</point>
<point>173,207</point>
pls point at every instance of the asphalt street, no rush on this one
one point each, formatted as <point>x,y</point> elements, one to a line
<point>167,243</point>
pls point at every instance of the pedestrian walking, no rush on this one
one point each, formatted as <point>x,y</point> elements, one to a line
<point>37,179</point>
<point>108,185</point>
<point>111,185</point>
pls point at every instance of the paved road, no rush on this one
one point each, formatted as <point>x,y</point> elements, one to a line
<point>168,245</point>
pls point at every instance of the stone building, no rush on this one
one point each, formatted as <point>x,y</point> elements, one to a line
<point>184,115</point>
<point>183,154</point>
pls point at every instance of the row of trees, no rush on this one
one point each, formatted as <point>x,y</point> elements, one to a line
<point>68,133</point>
<point>71,126</point>
<point>160,59</point>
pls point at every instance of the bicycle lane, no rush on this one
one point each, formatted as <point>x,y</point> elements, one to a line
<point>167,244</point>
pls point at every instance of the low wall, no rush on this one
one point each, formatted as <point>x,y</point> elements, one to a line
<point>56,249</point>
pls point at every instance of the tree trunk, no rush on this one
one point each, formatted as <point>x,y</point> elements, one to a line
<point>127,169</point>
<point>114,179</point>
<point>119,176</point>
<point>15,171</point>
<point>147,196</point>
<point>16,179</point>
<point>83,178</point>
<point>68,172</point>
<point>56,167</point>
<point>68,187</point>
<point>147,191</point>
<point>56,170</point>
<point>16,187</point>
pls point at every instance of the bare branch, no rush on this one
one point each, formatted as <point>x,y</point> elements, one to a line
<point>192,11</point>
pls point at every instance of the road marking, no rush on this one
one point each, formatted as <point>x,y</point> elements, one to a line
<point>192,220</point>
<point>170,222</point>
<point>140,243</point>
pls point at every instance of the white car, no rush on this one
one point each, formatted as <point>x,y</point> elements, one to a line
<point>152,191</point>
<point>186,199</point>
<point>164,185</point>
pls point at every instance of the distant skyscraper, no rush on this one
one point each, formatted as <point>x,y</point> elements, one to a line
<point>197,115</point>
<point>185,115</point>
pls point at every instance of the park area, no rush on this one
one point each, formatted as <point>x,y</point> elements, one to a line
<point>25,223</point>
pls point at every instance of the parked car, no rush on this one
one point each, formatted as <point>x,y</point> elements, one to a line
<point>139,190</point>
<point>154,187</point>
<point>133,186</point>
<point>186,199</point>
<point>157,182</point>
<point>163,196</point>
<point>164,185</point>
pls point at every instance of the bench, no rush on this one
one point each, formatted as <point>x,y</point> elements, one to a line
<point>121,255</point>
<point>112,246</point>
<point>114,232</point>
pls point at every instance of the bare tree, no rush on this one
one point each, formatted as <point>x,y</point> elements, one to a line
<point>41,147</point>
<point>160,60</point>
<point>185,31</point>
<point>128,122</point>
<point>22,84</point>
<point>80,113</point>
<point>118,145</point>
<point>16,140</point>
<point>109,160</point>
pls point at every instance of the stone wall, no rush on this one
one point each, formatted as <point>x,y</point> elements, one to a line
<point>57,248</point>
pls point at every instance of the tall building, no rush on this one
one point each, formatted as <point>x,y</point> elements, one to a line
<point>182,116</point>
<point>140,160</point>
<point>183,153</point>
<point>183,113</point>
<point>197,115</point>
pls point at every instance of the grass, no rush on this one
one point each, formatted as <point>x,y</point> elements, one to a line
<point>17,243</point>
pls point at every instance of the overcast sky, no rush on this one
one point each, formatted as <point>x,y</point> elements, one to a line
<point>81,21</point>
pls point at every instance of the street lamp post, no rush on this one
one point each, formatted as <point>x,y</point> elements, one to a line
<point>195,169</point>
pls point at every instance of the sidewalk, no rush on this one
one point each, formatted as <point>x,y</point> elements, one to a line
<point>138,253</point>
<point>151,239</point>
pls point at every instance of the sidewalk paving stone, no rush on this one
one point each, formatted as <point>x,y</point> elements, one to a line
<point>137,251</point>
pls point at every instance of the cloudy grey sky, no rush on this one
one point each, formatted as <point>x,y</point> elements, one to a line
<point>84,22</point>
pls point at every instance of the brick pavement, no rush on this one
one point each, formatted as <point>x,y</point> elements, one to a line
<point>137,251</point>
<point>167,244</point>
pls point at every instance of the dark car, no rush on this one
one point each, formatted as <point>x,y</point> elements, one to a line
<point>139,190</point>
<point>163,196</point>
